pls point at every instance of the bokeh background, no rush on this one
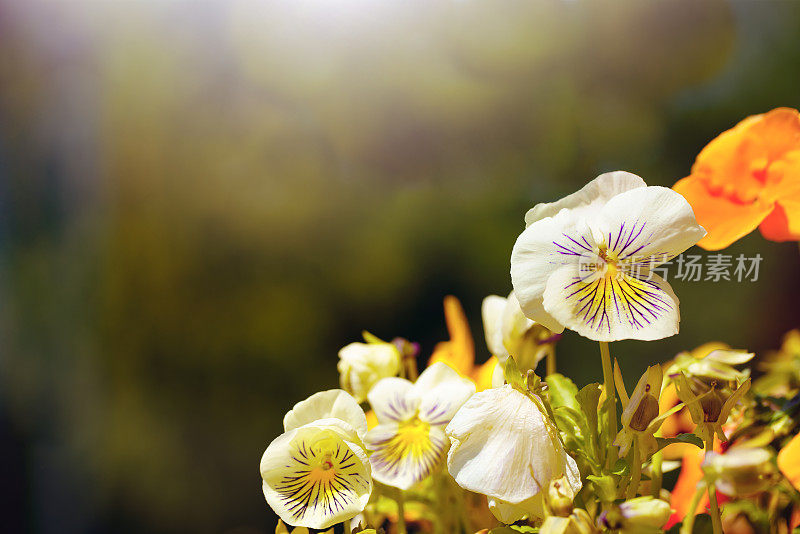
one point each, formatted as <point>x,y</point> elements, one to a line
<point>201,202</point>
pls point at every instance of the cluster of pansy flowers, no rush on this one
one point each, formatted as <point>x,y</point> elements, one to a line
<point>462,446</point>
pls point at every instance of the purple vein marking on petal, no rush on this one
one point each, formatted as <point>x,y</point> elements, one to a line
<point>579,244</point>
<point>566,251</point>
<point>619,233</point>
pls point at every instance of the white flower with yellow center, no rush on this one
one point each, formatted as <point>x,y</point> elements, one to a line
<point>508,331</point>
<point>409,442</point>
<point>586,262</point>
<point>361,365</point>
<point>316,473</point>
<point>504,446</point>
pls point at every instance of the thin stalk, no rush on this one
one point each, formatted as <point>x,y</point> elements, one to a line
<point>401,513</point>
<point>611,404</point>
<point>551,360</point>
<point>656,474</point>
<point>636,472</point>
<point>716,519</point>
<point>346,526</point>
<point>688,521</point>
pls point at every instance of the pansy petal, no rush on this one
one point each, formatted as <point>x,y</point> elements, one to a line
<point>590,198</point>
<point>492,314</point>
<point>610,308</point>
<point>435,375</point>
<point>511,513</point>
<point>393,399</point>
<point>440,404</point>
<point>315,477</point>
<point>405,453</point>
<point>332,403</point>
<point>539,251</point>
<point>651,225</point>
<point>502,448</point>
<point>726,221</point>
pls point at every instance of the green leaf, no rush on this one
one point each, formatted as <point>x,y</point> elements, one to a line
<point>604,486</point>
<point>371,338</point>
<point>588,398</point>
<point>621,467</point>
<point>680,438</point>
<point>562,392</point>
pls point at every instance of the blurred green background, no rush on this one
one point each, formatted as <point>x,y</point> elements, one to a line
<point>201,202</point>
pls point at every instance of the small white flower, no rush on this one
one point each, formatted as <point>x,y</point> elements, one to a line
<point>508,331</point>
<point>586,262</point>
<point>361,365</point>
<point>316,473</point>
<point>409,441</point>
<point>503,446</point>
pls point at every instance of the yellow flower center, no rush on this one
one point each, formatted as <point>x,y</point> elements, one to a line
<point>611,260</point>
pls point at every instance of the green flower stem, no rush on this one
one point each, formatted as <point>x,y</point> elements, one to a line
<point>401,513</point>
<point>656,474</point>
<point>716,518</point>
<point>688,521</point>
<point>611,404</point>
<point>551,360</point>
<point>636,471</point>
<point>346,526</point>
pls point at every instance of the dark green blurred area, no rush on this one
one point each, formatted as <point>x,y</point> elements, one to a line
<point>201,202</point>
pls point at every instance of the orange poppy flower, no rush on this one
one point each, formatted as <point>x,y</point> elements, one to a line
<point>789,461</point>
<point>748,178</point>
<point>459,352</point>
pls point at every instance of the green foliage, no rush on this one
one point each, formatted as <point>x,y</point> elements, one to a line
<point>692,439</point>
<point>514,529</point>
<point>575,415</point>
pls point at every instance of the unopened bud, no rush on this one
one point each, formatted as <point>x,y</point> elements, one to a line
<point>741,472</point>
<point>578,522</point>
<point>634,514</point>
<point>645,511</point>
<point>559,497</point>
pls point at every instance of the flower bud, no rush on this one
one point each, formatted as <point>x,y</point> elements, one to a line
<point>578,522</point>
<point>361,365</point>
<point>741,471</point>
<point>635,514</point>
<point>559,497</point>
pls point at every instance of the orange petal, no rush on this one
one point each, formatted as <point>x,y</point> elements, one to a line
<point>789,461</point>
<point>459,352</point>
<point>372,419</point>
<point>691,475</point>
<point>776,132</point>
<point>724,220</point>
<point>783,224</point>
<point>482,376</point>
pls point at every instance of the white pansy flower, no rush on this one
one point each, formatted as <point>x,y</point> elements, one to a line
<point>503,446</point>
<point>409,442</point>
<point>361,365</point>
<point>508,331</point>
<point>317,473</point>
<point>586,262</point>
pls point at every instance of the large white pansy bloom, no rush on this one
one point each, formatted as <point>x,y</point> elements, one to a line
<point>586,262</point>
<point>503,446</point>
<point>317,473</point>
<point>361,365</point>
<point>508,331</point>
<point>409,441</point>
